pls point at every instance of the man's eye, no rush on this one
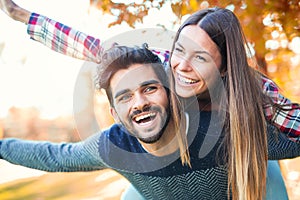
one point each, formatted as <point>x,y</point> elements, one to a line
<point>150,89</point>
<point>124,98</point>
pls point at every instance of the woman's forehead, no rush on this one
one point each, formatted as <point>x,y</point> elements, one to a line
<point>194,37</point>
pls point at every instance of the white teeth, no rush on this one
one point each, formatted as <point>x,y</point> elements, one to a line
<point>186,80</point>
<point>144,116</point>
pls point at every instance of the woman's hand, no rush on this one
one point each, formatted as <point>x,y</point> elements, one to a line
<point>14,11</point>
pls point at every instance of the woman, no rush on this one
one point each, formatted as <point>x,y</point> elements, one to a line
<point>227,36</point>
<point>212,39</point>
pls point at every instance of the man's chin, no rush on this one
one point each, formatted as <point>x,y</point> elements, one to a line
<point>151,139</point>
<point>148,140</point>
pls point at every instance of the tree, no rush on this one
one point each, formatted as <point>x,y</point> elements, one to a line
<point>270,27</point>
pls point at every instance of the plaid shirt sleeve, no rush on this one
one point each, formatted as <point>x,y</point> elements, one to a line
<point>164,55</point>
<point>63,39</point>
<point>70,42</point>
<point>286,119</point>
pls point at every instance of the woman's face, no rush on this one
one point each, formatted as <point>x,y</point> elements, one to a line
<point>195,63</point>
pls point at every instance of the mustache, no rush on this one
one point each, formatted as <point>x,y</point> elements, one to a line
<point>146,109</point>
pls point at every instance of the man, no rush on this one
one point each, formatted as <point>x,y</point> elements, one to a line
<point>147,155</point>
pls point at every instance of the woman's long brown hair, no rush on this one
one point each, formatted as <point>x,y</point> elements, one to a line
<point>245,141</point>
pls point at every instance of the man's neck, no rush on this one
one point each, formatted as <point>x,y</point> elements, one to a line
<point>166,145</point>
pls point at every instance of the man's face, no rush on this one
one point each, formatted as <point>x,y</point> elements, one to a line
<point>140,102</point>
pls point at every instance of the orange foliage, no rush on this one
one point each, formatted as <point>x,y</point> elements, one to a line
<point>283,17</point>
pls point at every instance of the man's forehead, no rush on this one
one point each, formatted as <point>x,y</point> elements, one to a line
<point>133,77</point>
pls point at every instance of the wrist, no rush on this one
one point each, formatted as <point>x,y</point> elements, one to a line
<point>21,15</point>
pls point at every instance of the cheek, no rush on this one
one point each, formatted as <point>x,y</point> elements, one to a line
<point>162,101</point>
<point>165,102</point>
<point>207,72</point>
<point>122,111</point>
<point>174,61</point>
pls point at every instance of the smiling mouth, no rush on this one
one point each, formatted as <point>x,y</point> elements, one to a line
<point>186,80</point>
<point>144,118</point>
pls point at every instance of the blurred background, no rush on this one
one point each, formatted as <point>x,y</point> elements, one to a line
<point>37,84</point>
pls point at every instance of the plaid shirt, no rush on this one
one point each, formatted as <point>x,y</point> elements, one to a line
<point>65,40</point>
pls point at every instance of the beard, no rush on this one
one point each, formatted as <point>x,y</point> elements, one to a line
<point>154,138</point>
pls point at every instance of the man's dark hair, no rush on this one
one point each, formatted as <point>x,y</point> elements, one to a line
<point>122,57</point>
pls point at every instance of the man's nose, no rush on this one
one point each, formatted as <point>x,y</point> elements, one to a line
<point>140,102</point>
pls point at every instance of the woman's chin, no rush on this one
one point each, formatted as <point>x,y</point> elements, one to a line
<point>184,93</point>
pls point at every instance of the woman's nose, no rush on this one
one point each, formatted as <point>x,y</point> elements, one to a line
<point>184,65</point>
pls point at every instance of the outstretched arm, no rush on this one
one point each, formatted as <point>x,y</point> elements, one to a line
<point>280,146</point>
<point>59,37</point>
<point>287,118</point>
<point>64,39</point>
<point>53,157</point>
<point>55,35</point>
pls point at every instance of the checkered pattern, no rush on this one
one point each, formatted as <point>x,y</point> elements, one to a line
<point>286,119</point>
<point>68,41</point>
<point>63,39</point>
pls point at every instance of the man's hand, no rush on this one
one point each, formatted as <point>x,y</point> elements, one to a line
<point>14,11</point>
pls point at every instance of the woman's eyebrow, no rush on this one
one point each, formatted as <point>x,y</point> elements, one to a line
<point>178,43</point>
<point>196,51</point>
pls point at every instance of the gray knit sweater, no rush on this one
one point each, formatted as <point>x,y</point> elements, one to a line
<point>154,177</point>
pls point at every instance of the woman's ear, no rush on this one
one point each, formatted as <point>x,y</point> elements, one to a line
<point>223,73</point>
<point>114,114</point>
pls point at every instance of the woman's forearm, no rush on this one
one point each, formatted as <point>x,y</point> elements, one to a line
<point>14,11</point>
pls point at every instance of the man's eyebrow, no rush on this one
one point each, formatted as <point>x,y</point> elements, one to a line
<point>149,82</point>
<point>143,84</point>
<point>121,92</point>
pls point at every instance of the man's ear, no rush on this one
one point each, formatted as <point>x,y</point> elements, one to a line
<point>114,114</point>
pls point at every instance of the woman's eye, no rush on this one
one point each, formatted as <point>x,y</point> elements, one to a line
<point>198,57</point>
<point>178,49</point>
